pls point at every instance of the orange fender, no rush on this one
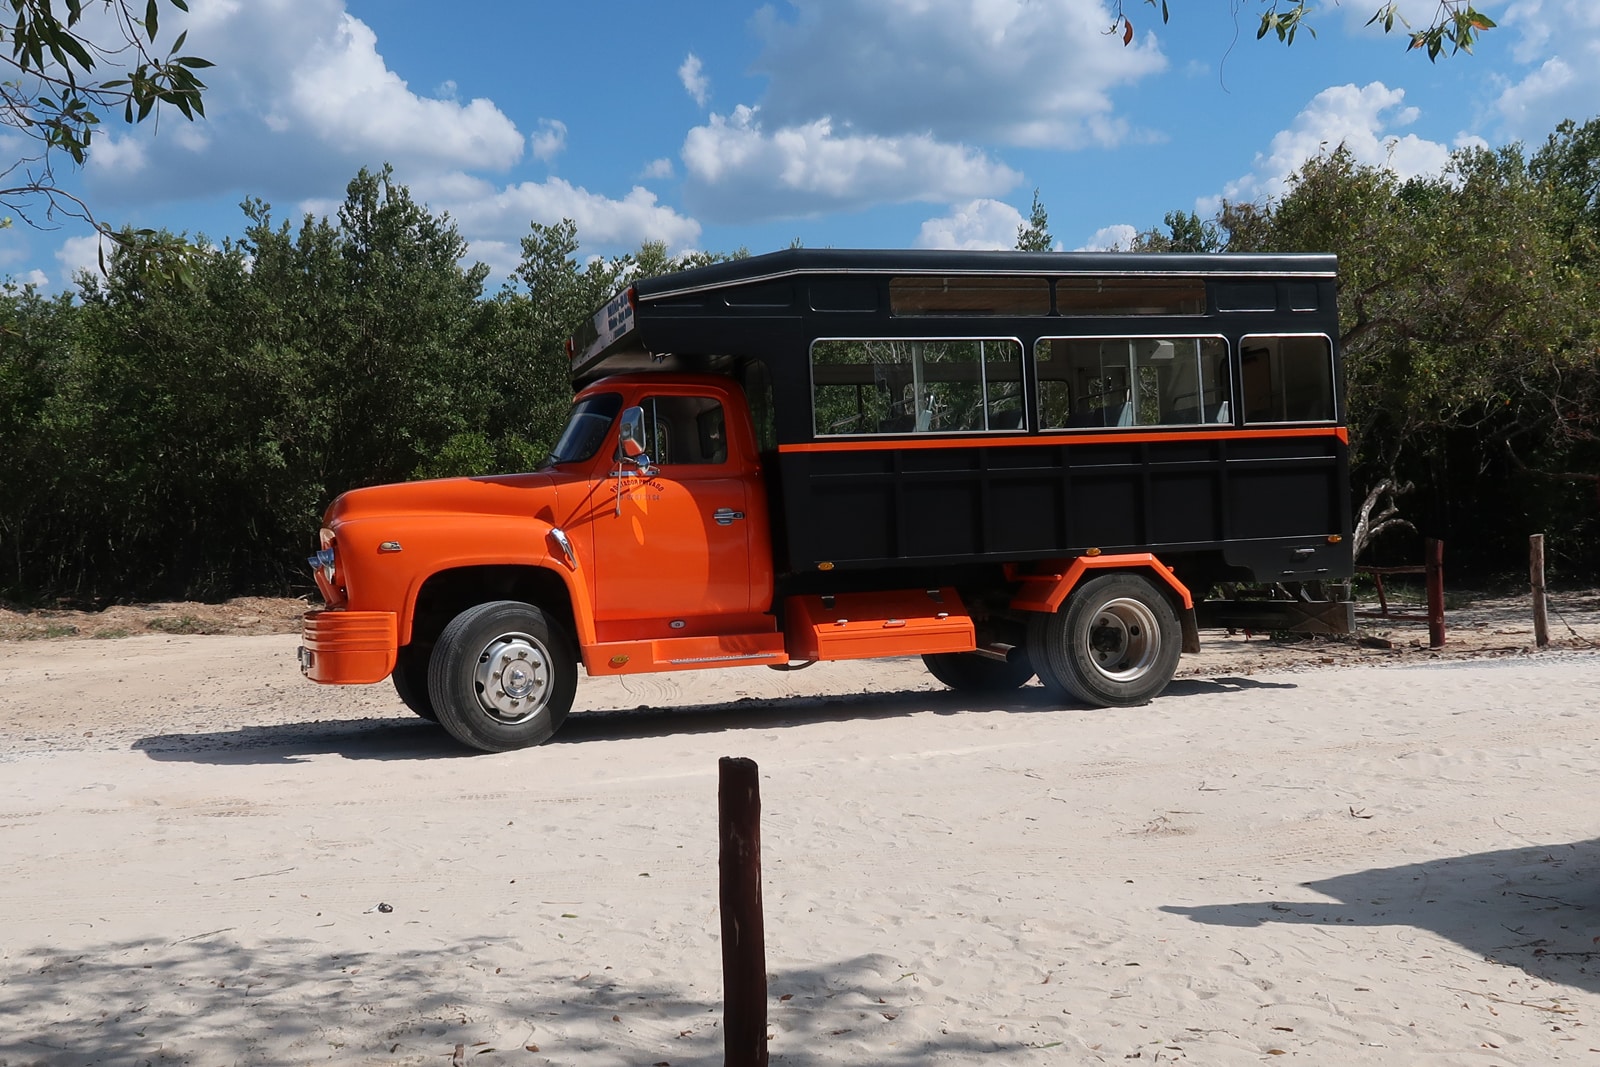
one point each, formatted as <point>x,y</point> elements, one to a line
<point>1045,591</point>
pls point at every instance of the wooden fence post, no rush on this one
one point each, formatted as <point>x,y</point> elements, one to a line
<point>744,949</point>
<point>1541,608</point>
<point>1433,563</point>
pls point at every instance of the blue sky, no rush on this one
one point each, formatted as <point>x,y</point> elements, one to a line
<point>851,123</point>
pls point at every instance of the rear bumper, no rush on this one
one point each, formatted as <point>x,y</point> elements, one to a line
<point>348,647</point>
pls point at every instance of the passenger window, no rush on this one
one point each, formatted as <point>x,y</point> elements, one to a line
<point>1132,381</point>
<point>1286,379</point>
<point>925,386</point>
<point>685,430</point>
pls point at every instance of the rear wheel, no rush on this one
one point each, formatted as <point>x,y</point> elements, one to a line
<point>972,673</point>
<point>1114,643</point>
<point>503,676</point>
<point>410,679</point>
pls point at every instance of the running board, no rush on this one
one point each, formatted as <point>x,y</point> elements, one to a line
<point>684,653</point>
<point>901,622</point>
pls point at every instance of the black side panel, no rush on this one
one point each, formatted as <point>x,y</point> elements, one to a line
<point>1266,505</point>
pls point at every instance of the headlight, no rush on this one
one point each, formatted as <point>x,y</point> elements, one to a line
<point>323,562</point>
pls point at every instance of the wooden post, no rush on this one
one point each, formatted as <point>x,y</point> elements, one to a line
<point>1541,609</point>
<point>744,949</point>
<point>1433,562</point>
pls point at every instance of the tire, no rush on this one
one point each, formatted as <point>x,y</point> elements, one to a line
<point>502,676</point>
<point>1114,643</point>
<point>410,679</point>
<point>968,672</point>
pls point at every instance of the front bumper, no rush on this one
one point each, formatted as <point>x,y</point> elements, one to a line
<point>348,647</point>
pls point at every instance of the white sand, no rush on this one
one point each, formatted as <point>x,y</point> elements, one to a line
<point>1354,865</point>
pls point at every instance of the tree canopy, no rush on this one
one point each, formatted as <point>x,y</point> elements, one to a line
<point>1456,24</point>
<point>167,439</point>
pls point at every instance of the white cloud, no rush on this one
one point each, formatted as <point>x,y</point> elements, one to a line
<point>1363,120</point>
<point>695,82</point>
<point>977,224</point>
<point>1019,72</point>
<point>299,99</point>
<point>551,140</point>
<point>1560,41</point>
<point>1119,237</point>
<point>658,169</point>
<point>80,254</point>
<point>485,214</point>
<point>738,170</point>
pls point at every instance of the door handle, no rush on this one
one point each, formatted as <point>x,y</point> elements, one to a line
<point>725,516</point>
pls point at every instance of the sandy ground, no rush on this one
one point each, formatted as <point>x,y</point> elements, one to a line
<point>1314,852</point>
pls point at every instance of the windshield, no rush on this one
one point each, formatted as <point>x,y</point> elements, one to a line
<point>586,428</point>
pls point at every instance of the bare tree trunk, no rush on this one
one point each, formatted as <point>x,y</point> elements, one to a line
<point>1372,519</point>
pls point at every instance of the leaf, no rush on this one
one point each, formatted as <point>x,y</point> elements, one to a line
<point>1127,33</point>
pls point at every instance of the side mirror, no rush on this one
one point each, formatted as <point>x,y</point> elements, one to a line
<point>631,440</point>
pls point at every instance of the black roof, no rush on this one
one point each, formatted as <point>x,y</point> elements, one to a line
<point>795,261</point>
<point>667,314</point>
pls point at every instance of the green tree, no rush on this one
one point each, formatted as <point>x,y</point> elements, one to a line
<point>1034,235</point>
<point>1468,330</point>
<point>1455,28</point>
<point>1185,232</point>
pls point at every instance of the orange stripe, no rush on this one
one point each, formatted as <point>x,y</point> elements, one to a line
<point>879,444</point>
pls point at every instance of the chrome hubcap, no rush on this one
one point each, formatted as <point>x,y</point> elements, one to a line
<point>513,678</point>
<point>1123,640</point>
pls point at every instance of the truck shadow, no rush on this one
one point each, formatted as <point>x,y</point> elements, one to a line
<point>1530,908</point>
<point>296,742</point>
<point>411,738</point>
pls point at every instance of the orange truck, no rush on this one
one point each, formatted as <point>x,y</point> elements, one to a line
<point>1010,464</point>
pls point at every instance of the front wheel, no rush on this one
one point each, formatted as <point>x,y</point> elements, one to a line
<point>969,672</point>
<point>1114,643</point>
<point>503,676</point>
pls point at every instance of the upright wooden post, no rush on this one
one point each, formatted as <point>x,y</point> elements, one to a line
<point>744,948</point>
<point>1433,564</point>
<point>1541,608</point>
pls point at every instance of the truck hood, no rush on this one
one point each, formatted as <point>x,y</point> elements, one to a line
<point>499,494</point>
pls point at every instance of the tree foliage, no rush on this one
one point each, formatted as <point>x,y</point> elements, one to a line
<point>1034,235</point>
<point>1456,24</point>
<point>1471,335</point>
<point>173,438</point>
<point>57,92</point>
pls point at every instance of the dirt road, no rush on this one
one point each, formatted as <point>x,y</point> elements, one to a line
<point>209,861</point>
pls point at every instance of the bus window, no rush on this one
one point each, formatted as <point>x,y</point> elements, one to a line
<point>1114,295</point>
<point>1286,379</point>
<point>923,386</point>
<point>962,295</point>
<point>1132,381</point>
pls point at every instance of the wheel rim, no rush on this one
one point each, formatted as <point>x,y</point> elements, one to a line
<point>514,678</point>
<point>1123,640</point>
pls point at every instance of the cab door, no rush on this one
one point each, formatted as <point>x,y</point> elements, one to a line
<point>674,544</point>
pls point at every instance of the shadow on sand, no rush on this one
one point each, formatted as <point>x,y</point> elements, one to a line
<point>1534,908</point>
<point>410,738</point>
<point>212,999</point>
